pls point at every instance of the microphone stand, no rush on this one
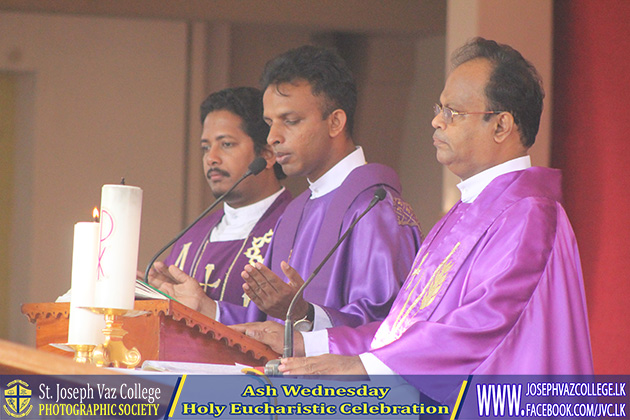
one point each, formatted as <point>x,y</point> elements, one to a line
<point>254,168</point>
<point>271,368</point>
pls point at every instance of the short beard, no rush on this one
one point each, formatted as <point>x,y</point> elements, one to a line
<point>228,198</point>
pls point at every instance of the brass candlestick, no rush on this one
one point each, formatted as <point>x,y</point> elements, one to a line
<point>82,352</point>
<point>113,353</point>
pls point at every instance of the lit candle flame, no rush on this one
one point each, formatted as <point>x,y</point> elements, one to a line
<point>95,214</point>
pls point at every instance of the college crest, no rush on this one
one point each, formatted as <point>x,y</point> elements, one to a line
<point>17,398</point>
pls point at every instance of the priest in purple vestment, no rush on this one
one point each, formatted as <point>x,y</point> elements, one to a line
<point>214,251</point>
<point>309,103</point>
<point>497,286</point>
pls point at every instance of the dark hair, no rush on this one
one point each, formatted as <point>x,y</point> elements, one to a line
<point>326,72</point>
<point>514,85</point>
<point>246,102</point>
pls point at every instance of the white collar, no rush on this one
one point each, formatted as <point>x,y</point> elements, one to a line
<point>250,212</point>
<point>335,176</point>
<point>473,186</point>
<point>236,223</point>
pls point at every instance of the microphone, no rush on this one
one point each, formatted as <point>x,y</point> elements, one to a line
<point>254,168</point>
<point>271,368</point>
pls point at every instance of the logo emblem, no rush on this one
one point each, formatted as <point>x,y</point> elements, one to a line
<point>18,399</point>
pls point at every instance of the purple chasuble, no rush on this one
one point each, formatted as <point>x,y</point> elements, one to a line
<point>217,266</point>
<point>496,288</point>
<point>359,283</point>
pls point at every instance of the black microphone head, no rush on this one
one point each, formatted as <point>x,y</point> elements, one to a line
<point>380,194</point>
<point>257,165</point>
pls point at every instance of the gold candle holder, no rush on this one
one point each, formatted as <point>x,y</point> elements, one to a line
<point>113,353</point>
<point>82,352</point>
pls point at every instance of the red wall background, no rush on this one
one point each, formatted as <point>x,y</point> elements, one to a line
<point>591,144</point>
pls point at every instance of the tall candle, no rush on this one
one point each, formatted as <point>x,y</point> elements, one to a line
<point>85,327</point>
<point>121,207</point>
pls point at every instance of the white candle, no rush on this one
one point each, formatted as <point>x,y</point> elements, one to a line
<point>85,327</point>
<point>121,207</point>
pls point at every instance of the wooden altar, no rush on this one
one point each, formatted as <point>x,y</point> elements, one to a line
<point>18,359</point>
<point>168,331</point>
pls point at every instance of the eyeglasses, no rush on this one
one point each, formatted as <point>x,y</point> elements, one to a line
<point>448,113</point>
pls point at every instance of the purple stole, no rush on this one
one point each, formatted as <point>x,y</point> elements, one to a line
<point>218,265</point>
<point>418,297</point>
<point>359,283</point>
<point>359,180</point>
<point>496,288</point>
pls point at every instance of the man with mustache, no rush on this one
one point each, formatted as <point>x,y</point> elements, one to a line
<point>496,287</point>
<point>214,251</point>
<point>309,104</point>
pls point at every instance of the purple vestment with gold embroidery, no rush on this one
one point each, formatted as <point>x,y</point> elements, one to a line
<point>496,288</point>
<point>359,283</point>
<point>217,266</point>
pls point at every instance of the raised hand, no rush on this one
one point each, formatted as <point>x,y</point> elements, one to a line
<point>272,295</point>
<point>185,289</point>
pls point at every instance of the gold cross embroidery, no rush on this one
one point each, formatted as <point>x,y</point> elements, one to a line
<point>430,290</point>
<point>253,252</point>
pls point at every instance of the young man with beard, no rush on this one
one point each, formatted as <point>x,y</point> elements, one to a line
<point>214,251</point>
<point>309,104</point>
